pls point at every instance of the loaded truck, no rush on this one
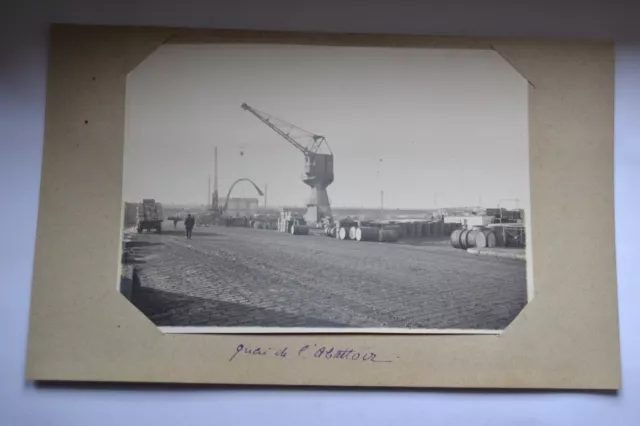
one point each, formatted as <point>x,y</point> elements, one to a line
<point>149,216</point>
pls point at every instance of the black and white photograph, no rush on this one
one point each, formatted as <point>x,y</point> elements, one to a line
<point>287,188</point>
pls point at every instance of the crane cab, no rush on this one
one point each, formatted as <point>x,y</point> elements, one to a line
<point>319,169</point>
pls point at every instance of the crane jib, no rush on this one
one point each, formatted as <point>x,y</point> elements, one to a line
<point>268,119</point>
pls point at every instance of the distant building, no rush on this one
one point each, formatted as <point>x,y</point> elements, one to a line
<point>504,215</point>
<point>469,221</point>
<point>239,206</point>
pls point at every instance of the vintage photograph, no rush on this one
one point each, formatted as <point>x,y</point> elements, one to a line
<point>326,188</point>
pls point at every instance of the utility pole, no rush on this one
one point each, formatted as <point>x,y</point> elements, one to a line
<point>265,196</point>
<point>214,196</point>
<point>380,182</point>
<point>209,193</point>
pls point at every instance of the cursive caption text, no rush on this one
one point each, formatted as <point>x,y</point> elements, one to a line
<point>311,351</point>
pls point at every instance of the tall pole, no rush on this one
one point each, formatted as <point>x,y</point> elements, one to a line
<point>215,169</point>
<point>379,175</point>
<point>214,197</point>
<point>209,193</point>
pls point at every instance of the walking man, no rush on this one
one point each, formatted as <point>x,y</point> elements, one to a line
<point>189,223</point>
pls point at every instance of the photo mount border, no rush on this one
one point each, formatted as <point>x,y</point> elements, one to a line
<point>81,330</point>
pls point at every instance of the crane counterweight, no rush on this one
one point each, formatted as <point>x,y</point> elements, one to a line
<point>318,168</point>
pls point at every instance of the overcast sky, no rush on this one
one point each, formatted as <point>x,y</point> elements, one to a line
<point>426,126</point>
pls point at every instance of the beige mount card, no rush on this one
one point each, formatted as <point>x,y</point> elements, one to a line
<point>82,328</point>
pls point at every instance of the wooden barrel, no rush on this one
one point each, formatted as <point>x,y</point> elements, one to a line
<point>455,238</point>
<point>463,239</point>
<point>299,230</point>
<point>471,237</point>
<point>500,235</point>
<point>388,236</point>
<point>352,232</point>
<point>392,228</point>
<point>449,228</point>
<point>332,232</point>
<point>346,224</point>
<point>344,233</point>
<point>418,227</point>
<point>367,234</point>
<point>486,238</point>
<point>409,229</point>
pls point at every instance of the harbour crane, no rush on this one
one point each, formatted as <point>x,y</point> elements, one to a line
<point>318,169</point>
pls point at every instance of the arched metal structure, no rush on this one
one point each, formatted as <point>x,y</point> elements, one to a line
<point>226,201</point>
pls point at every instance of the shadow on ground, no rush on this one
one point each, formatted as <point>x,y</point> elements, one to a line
<point>132,260</point>
<point>165,308</point>
<point>425,241</point>
<point>135,244</point>
<point>195,233</point>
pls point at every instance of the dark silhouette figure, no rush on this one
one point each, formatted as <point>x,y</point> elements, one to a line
<point>175,223</point>
<point>189,223</point>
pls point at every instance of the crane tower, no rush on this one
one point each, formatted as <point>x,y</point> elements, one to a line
<point>318,166</point>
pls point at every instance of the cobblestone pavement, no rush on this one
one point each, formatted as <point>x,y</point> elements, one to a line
<point>249,277</point>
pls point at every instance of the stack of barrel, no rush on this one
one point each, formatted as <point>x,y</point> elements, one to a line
<point>289,223</point>
<point>344,229</point>
<point>355,231</point>
<point>299,229</point>
<point>284,221</point>
<point>424,229</point>
<point>330,231</point>
<point>509,235</point>
<point>474,237</point>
